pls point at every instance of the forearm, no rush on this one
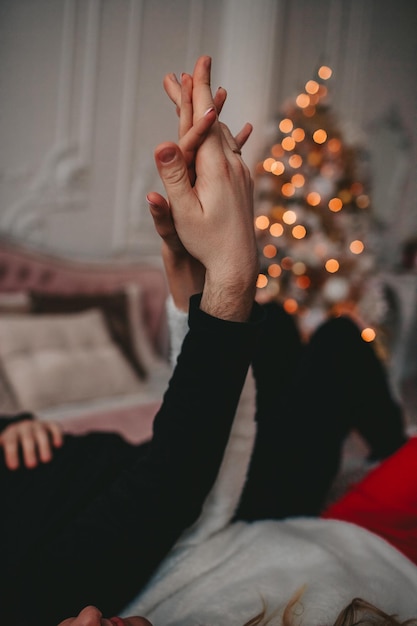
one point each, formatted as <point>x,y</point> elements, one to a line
<point>185,276</point>
<point>231,299</point>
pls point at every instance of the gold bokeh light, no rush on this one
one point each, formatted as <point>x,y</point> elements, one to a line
<point>274,270</point>
<point>290,305</point>
<point>295,161</point>
<point>299,231</point>
<point>312,86</point>
<point>298,180</point>
<point>270,251</point>
<point>278,168</point>
<point>289,217</point>
<point>368,334</point>
<point>319,135</point>
<point>262,281</point>
<point>268,163</point>
<point>325,72</point>
<point>313,198</point>
<point>286,125</point>
<point>288,143</point>
<point>332,266</point>
<point>335,204</point>
<point>302,100</point>
<point>262,222</point>
<point>276,230</point>
<point>357,246</point>
<point>288,190</point>
<point>298,134</point>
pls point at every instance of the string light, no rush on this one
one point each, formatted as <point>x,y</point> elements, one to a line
<point>286,125</point>
<point>299,268</point>
<point>313,198</point>
<point>288,190</point>
<point>278,168</point>
<point>298,180</point>
<point>295,161</point>
<point>299,231</point>
<point>262,222</point>
<point>274,270</point>
<point>368,334</point>
<point>290,305</point>
<point>324,72</point>
<point>270,251</point>
<point>289,217</point>
<point>332,266</point>
<point>302,100</point>
<point>268,163</point>
<point>311,176</point>
<point>262,281</point>
<point>276,230</point>
<point>357,246</point>
<point>288,143</point>
<point>298,134</point>
<point>335,204</point>
<point>312,86</point>
<point>319,135</point>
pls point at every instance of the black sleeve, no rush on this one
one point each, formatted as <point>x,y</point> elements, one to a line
<point>6,421</point>
<point>106,554</point>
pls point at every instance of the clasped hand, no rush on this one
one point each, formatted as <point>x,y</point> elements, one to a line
<point>207,220</point>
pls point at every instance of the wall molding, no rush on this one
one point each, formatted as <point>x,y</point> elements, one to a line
<point>61,182</point>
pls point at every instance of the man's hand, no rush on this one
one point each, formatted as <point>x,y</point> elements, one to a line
<point>214,218</point>
<point>34,438</point>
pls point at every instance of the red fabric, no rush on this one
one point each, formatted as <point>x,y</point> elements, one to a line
<point>385,501</point>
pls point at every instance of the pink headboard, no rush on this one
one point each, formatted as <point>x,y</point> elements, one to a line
<point>25,269</point>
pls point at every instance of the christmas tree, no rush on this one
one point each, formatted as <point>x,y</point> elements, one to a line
<point>313,217</point>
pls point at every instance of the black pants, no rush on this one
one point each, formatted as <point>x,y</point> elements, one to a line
<point>309,398</point>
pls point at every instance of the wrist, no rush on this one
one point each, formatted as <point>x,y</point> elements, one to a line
<point>229,299</point>
<point>185,277</point>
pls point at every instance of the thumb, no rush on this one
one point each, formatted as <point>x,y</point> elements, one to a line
<point>173,171</point>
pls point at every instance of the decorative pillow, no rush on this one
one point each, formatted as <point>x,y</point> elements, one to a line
<point>14,302</point>
<point>8,403</point>
<point>58,359</point>
<point>141,344</point>
<point>115,308</point>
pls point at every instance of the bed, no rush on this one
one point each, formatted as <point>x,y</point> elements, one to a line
<point>82,342</point>
<point>87,344</point>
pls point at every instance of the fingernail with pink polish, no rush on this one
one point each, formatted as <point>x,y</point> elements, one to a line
<point>151,203</point>
<point>167,155</point>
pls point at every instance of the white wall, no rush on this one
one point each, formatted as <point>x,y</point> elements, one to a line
<point>82,104</point>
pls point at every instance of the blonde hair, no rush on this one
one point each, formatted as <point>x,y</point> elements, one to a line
<point>358,612</point>
<point>361,612</point>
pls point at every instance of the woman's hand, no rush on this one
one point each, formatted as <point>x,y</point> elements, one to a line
<point>181,94</point>
<point>34,439</point>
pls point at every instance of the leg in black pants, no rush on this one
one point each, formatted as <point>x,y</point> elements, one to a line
<point>308,400</point>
